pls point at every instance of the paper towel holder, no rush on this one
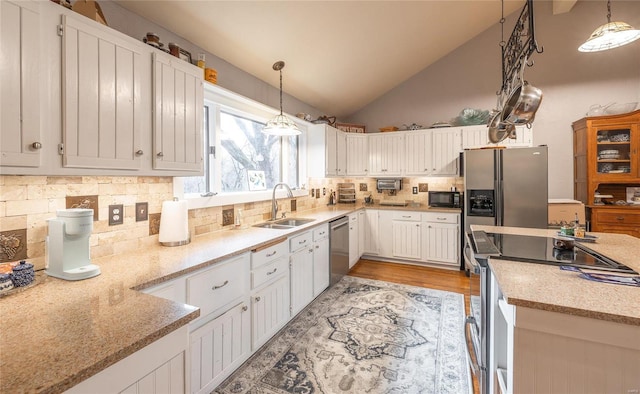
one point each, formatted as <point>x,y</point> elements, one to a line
<point>174,234</point>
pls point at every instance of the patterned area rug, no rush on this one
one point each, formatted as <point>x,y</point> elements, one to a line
<point>364,336</point>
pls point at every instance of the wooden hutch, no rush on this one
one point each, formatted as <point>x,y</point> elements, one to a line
<point>606,161</point>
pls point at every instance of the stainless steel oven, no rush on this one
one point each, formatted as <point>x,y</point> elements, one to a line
<point>477,322</point>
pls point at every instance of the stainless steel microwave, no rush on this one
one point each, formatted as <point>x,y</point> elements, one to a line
<point>445,199</point>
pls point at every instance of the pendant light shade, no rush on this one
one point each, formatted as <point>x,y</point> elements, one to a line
<point>280,124</point>
<point>610,35</point>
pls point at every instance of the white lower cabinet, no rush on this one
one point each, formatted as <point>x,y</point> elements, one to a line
<point>157,368</point>
<point>270,310</point>
<point>371,229</point>
<point>362,229</point>
<point>219,347</point>
<point>301,271</point>
<point>354,231</point>
<point>406,230</point>
<point>441,238</point>
<point>321,268</point>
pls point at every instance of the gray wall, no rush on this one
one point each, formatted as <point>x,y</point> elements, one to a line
<point>571,81</point>
<point>229,76</point>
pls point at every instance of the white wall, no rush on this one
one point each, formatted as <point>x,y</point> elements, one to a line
<point>571,81</point>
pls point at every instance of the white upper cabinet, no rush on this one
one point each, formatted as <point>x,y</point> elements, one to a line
<point>477,137</point>
<point>432,152</point>
<point>20,139</point>
<point>419,153</point>
<point>102,75</point>
<point>386,154</point>
<point>326,151</point>
<point>357,154</point>
<point>177,121</point>
<point>446,151</point>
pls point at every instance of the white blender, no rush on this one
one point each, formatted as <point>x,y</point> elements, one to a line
<point>68,251</point>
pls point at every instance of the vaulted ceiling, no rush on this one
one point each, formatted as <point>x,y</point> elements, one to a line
<point>339,55</point>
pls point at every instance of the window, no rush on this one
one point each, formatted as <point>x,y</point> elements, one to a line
<point>234,144</point>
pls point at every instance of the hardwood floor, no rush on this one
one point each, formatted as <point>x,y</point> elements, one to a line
<point>413,275</point>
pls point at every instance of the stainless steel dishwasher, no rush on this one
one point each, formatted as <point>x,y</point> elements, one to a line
<point>339,244</point>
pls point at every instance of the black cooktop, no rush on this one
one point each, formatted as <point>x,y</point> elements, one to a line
<point>541,250</point>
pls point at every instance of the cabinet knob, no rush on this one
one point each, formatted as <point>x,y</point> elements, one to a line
<point>620,218</point>
<point>272,272</point>
<point>36,145</point>
<point>244,308</point>
<point>257,299</point>
<point>160,154</point>
<point>139,152</point>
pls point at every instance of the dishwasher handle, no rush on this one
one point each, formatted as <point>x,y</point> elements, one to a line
<point>339,223</point>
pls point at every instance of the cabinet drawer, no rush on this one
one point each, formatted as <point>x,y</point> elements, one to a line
<point>408,216</point>
<point>320,232</point>
<point>619,217</point>
<point>267,272</point>
<point>299,241</point>
<point>217,286</point>
<point>439,217</point>
<point>268,253</point>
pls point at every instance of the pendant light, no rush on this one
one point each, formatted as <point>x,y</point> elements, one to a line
<point>280,124</point>
<point>610,35</point>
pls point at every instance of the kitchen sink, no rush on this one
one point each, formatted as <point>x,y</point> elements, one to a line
<point>284,224</point>
<point>293,222</point>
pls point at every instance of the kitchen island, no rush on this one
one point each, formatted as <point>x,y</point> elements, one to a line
<point>553,331</point>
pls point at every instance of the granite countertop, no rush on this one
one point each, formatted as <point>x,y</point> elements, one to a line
<point>64,332</point>
<point>546,287</point>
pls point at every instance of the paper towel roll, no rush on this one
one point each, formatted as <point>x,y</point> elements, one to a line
<point>174,223</point>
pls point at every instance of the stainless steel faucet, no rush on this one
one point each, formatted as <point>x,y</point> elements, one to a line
<point>274,205</point>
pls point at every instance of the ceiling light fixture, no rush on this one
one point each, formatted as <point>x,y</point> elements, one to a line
<point>610,35</point>
<point>280,124</point>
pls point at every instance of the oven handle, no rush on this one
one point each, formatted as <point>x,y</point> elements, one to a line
<point>471,338</point>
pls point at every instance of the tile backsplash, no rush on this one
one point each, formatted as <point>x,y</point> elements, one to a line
<point>26,202</point>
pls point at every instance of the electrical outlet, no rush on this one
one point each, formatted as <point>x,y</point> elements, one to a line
<point>116,214</point>
<point>142,211</point>
<point>313,192</point>
<point>324,191</point>
<point>415,190</point>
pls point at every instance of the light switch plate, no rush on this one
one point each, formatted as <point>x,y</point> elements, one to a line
<point>116,214</point>
<point>142,211</point>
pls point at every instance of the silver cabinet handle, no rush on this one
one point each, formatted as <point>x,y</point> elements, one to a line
<point>244,308</point>
<point>160,154</point>
<point>272,254</point>
<point>272,272</point>
<point>406,216</point>
<point>317,246</point>
<point>257,299</point>
<point>36,145</point>
<point>226,282</point>
<point>302,242</point>
<point>442,218</point>
<point>139,152</point>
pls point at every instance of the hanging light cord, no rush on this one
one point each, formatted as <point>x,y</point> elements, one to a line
<point>608,11</point>
<point>278,66</point>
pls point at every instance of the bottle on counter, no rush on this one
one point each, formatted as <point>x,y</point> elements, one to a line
<point>577,230</point>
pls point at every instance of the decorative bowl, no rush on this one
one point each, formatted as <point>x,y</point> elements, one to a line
<point>615,109</point>
<point>23,274</point>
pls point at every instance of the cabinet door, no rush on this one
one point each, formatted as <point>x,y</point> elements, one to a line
<point>384,241</point>
<point>219,347</point>
<point>419,157</point>
<point>321,268</point>
<point>101,85</point>
<point>386,154</point>
<point>354,230</point>
<point>446,151</point>
<point>177,121</point>
<point>362,230</point>
<point>614,150</point>
<point>407,239</point>
<point>341,153</point>
<point>371,235</point>
<point>357,154</point>
<point>270,309</point>
<point>475,136</point>
<point>331,151</point>
<point>442,243</point>
<point>301,265</point>
<point>20,138</point>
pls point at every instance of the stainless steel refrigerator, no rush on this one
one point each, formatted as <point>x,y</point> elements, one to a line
<point>506,187</point>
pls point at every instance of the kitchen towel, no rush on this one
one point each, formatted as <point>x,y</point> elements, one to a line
<point>174,223</point>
